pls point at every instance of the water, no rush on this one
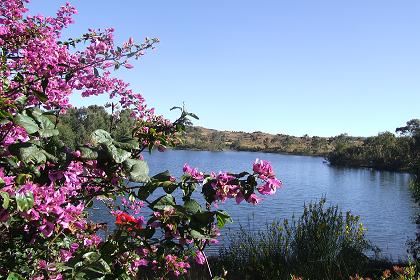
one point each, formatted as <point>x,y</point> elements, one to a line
<point>382,199</point>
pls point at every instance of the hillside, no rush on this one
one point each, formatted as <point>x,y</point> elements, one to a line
<point>200,138</point>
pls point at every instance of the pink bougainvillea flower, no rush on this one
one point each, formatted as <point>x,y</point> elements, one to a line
<point>254,199</point>
<point>263,168</point>
<point>199,257</point>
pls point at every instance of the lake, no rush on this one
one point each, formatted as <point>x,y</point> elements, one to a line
<point>382,199</point>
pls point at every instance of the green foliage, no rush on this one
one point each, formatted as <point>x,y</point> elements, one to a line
<point>385,151</point>
<point>322,244</point>
<point>77,125</point>
<point>24,201</point>
<point>14,276</point>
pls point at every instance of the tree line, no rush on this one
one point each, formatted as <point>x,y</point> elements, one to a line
<point>77,124</point>
<point>386,151</point>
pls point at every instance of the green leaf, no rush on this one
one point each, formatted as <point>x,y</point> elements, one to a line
<point>21,100</point>
<point>96,72</point>
<point>47,127</point>
<point>202,219</point>
<point>88,153</point>
<point>197,235</point>
<point>193,115</point>
<point>27,123</point>
<point>222,218</point>
<point>163,176</point>
<point>100,266</point>
<point>192,206</point>
<point>4,116</point>
<point>119,155</point>
<point>138,170</point>
<point>145,191</point>
<point>101,136</point>
<point>6,199</point>
<point>163,201</point>
<point>24,201</point>
<point>147,233</point>
<point>127,144</point>
<point>34,112</point>
<point>93,265</point>
<point>28,152</point>
<point>49,156</point>
<point>168,186</point>
<point>175,107</point>
<point>32,154</point>
<point>15,276</point>
<point>45,133</point>
<point>91,257</point>
<point>41,96</point>
<point>19,78</point>
<point>22,178</point>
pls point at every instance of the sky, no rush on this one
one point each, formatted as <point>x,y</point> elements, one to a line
<point>292,67</point>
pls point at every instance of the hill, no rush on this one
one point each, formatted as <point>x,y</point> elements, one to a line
<point>200,138</point>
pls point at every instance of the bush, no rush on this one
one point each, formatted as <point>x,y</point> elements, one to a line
<point>322,244</point>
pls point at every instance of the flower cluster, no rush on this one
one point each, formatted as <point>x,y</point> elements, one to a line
<point>226,185</point>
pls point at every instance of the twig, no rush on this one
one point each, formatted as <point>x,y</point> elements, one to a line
<point>208,266</point>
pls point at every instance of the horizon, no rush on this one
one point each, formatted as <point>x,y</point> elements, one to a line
<point>321,69</point>
<point>259,131</point>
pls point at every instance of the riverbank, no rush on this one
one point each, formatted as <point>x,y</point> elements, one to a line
<point>204,139</point>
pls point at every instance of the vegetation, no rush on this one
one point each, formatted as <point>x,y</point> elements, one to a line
<point>78,123</point>
<point>322,244</point>
<point>412,130</point>
<point>385,151</point>
<point>198,138</point>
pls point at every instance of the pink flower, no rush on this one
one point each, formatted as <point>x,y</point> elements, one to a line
<point>47,228</point>
<point>263,169</point>
<point>253,199</point>
<point>269,187</point>
<point>239,197</point>
<point>199,257</point>
<point>65,255</point>
<point>77,154</point>
<point>193,172</point>
<point>128,65</point>
<point>74,247</point>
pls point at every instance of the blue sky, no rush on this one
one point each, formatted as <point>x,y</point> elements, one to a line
<point>293,67</point>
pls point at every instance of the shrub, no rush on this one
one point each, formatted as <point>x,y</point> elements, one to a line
<point>322,244</point>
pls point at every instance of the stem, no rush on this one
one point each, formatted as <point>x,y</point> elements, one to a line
<point>208,266</point>
<point>112,117</point>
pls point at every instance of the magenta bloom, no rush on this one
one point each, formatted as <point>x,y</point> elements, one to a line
<point>47,228</point>
<point>269,187</point>
<point>263,169</point>
<point>253,199</point>
<point>65,255</point>
<point>199,257</point>
<point>199,176</point>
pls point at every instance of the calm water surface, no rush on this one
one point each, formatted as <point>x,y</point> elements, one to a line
<point>382,199</point>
